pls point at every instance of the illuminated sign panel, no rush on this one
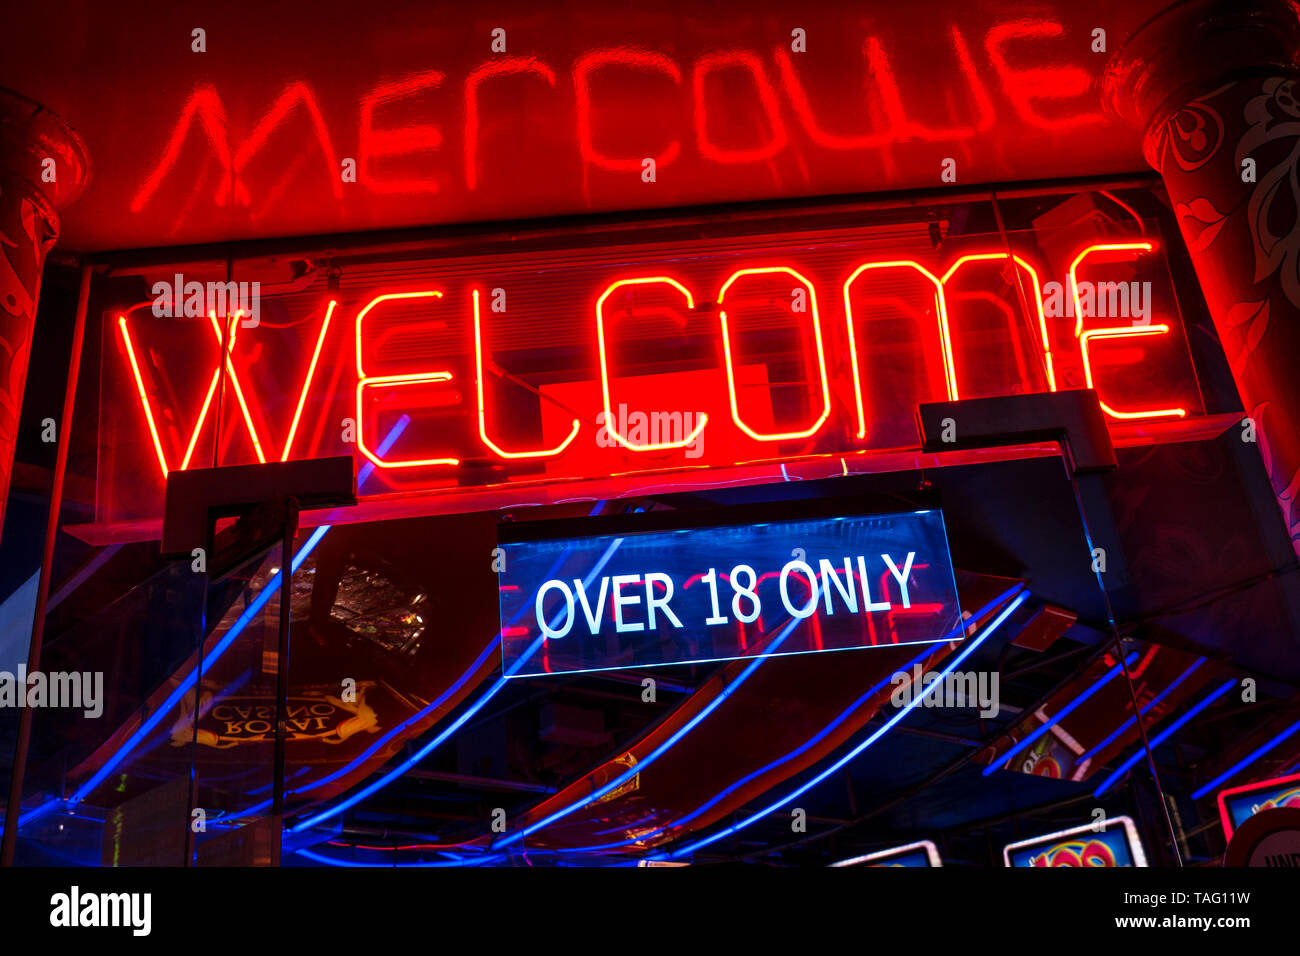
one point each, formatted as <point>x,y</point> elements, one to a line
<point>1114,843</point>
<point>644,598</point>
<point>514,371</point>
<point>921,853</point>
<point>1238,804</point>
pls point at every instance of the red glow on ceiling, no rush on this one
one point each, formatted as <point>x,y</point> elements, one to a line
<point>445,129</point>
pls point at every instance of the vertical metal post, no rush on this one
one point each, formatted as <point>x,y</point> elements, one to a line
<point>282,676</point>
<point>1118,644</point>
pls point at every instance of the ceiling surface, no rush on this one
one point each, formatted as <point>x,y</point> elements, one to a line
<point>252,137</point>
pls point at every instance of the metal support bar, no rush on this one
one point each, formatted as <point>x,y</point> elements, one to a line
<point>1072,417</point>
<point>282,676</point>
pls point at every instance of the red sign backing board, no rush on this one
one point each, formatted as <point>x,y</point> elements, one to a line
<point>692,359</point>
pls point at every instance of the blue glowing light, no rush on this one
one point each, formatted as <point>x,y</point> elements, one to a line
<point>1060,715</point>
<point>1164,735</point>
<point>802,748</point>
<point>383,781</point>
<point>1122,728</point>
<point>972,645</point>
<point>260,600</point>
<point>1246,761</point>
<point>659,751</point>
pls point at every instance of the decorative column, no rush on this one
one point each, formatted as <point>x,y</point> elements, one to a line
<point>1213,85</point>
<point>43,164</point>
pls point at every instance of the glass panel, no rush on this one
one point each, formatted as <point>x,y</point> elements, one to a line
<point>110,784</point>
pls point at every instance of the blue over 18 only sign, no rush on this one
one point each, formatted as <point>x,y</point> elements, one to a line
<point>719,593</point>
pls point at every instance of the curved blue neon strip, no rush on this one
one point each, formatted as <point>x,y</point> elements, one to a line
<point>423,712</point>
<point>744,676</point>
<point>1164,735</point>
<point>415,718</point>
<point>459,722</point>
<point>802,748</point>
<point>333,861</point>
<point>1245,762</point>
<point>970,648</point>
<point>1060,715</point>
<point>255,607</point>
<point>785,758</point>
<point>659,751</point>
<point>35,813</point>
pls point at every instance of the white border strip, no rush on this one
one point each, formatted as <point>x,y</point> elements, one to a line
<point>931,852</point>
<point>1130,831</point>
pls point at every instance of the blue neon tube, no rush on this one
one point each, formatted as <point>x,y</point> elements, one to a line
<point>254,608</point>
<point>970,648</point>
<point>1132,720</point>
<point>1060,715</point>
<point>420,715</point>
<point>1245,762</point>
<point>659,751</point>
<point>459,722</point>
<point>334,861</point>
<point>1164,735</point>
<point>802,748</point>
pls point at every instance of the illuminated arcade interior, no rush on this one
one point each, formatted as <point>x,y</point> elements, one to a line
<point>699,396</point>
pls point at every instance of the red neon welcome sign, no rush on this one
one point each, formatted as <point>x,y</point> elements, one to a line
<point>622,361</point>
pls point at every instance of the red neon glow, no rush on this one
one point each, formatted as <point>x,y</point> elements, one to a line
<point>198,425</point>
<point>392,381</point>
<point>1286,799</point>
<point>205,105</point>
<point>904,127</point>
<point>213,383</point>
<point>584,69</point>
<point>234,380</point>
<point>1073,276</point>
<point>971,85</point>
<point>821,357</point>
<point>482,413</point>
<point>397,141</point>
<point>306,385</point>
<point>877,380</point>
<point>1025,85</point>
<point>803,109</point>
<point>144,396</point>
<point>1086,339</point>
<point>941,311</point>
<point>610,418</point>
<point>296,93</point>
<point>506,66</point>
<point>738,59</point>
<point>1036,298</point>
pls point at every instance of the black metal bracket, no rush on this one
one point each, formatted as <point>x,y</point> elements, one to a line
<point>263,499</point>
<point>1073,418</point>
